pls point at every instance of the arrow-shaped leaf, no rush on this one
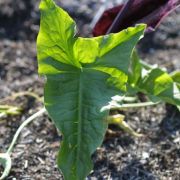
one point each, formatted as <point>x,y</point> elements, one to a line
<point>82,76</point>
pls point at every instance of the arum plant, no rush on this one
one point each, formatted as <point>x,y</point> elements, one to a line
<point>86,79</point>
<point>83,75</point>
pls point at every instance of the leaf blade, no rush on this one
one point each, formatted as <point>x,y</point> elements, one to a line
<point>82,132</point>
<point>77,88</point>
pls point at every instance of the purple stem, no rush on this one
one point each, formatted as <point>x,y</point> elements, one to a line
<point>122,13</point>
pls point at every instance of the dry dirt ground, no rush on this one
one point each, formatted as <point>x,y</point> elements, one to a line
<point>155,156</point>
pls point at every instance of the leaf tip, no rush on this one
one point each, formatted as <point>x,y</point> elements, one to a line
<point>46,4</point>
<point>141,28</point>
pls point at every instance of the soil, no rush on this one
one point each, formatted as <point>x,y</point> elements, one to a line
<point>121,156</point>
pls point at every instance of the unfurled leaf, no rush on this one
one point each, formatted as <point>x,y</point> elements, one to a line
<point>82,76</point>
<point>150,12</point>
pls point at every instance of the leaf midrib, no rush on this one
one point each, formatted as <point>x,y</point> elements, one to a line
<point>79,118</point>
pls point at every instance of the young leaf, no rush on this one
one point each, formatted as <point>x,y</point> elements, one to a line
<point>154,82</point>
<point>82,76</point>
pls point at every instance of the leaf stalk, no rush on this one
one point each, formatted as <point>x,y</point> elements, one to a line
<point>25,123</point>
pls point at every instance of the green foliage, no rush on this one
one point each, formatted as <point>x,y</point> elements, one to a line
<point>154,82</point>
<point>82,76</point>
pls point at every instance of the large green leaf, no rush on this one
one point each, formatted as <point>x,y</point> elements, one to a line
<point>82,76</point>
